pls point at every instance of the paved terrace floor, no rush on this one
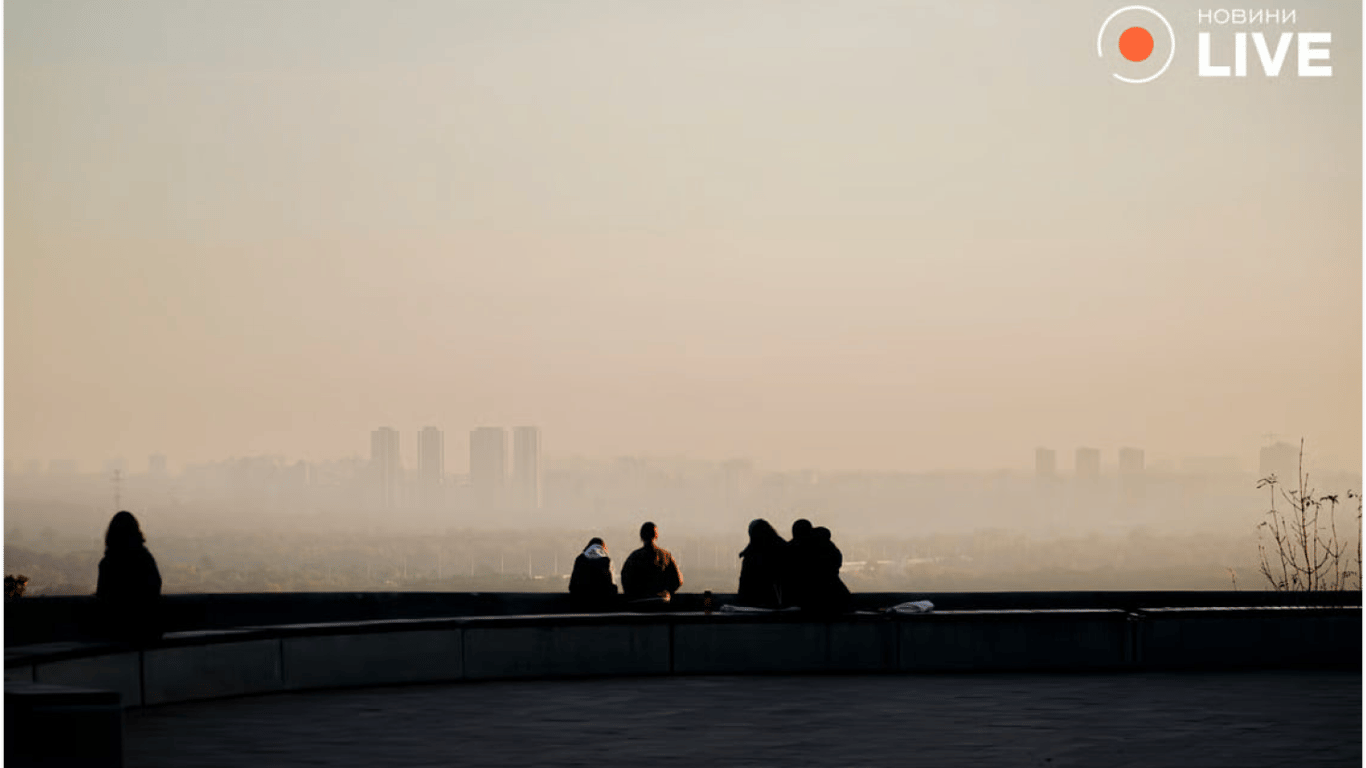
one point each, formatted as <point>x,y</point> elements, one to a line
<point>1237,719</point>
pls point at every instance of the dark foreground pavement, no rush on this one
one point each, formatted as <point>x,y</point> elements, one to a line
<point>1149,719</point>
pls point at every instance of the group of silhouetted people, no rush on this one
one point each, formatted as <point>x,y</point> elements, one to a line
<point>801,573</point>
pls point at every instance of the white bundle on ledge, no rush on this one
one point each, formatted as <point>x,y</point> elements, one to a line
<point>915,606</point>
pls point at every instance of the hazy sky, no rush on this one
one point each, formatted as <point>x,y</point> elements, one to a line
<point>885,235</point>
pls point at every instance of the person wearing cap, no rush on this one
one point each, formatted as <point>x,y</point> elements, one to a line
<point>650,572</point>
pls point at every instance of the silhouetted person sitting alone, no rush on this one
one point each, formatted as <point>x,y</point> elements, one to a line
<point>814,571</point>
<point>129,590</point>
<point>650,571</point>
<point>590,585</point>
<point>762,573</point>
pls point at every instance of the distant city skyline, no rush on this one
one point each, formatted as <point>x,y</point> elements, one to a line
<point>689,494</point>
<point>515,466</point>
<point>1244,452</point>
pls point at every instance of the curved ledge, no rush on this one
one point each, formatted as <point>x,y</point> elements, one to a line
<point>46,619</point>
<point>195,665</point>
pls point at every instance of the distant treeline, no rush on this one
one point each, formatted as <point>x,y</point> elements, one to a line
<point>541,561</point>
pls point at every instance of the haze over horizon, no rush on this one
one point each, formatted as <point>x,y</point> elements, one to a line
<point>880,236</point>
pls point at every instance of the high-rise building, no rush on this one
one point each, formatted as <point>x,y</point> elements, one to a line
<point>1088,463</point>
<point>1130,461</point>
<point>488,468</point>
<point>385,467</point>
<point>1282,460</point>
<point>1045,462</point>
<point>526,468</point>
<point>431,466</point>
<point>156,464</point>
<point>1131,475</point>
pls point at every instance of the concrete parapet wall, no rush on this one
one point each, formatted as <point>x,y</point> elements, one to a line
<point>211,670</point>
<point>203,665</point>
<point>566,651</point>
<point>120,672</point>
<point>744,646</point>
<point>1016,640</point>
<point>49,619</point>
<point>751,645</point>
<point>1221,639</point>
<point>376,658</point>
<point>20,674</point>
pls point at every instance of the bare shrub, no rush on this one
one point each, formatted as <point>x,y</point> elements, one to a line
<point>1299,546</point>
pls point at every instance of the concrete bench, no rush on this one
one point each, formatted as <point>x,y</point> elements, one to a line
<point>58,725</point>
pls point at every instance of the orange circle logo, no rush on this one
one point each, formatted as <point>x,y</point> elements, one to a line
<point>1135,53</point>
<point>1136,44</point>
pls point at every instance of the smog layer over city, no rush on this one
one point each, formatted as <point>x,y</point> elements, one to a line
<point>423,296</point>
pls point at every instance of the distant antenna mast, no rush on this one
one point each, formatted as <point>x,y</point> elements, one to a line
<point>118,490</point>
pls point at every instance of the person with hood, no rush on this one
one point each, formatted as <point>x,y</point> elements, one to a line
<point>827,593</point>
<point>129,588</point>
<point>650,572</point>
<point>590,585</point>
<point>762,572</point>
